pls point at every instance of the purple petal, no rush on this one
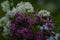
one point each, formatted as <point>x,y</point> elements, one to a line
<point>38,36</point>
<point>13,26</point>
<point>18,19</point>
<point>50,25</point>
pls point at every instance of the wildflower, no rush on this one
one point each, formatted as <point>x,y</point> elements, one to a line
<point>44,13</point>
<point>24,7</point>
<point>5,6</point>
<point>50,25</point>
<point>12,26</point>
<point>24,32</point>
<point>10,14</point>
<point>38,36</point>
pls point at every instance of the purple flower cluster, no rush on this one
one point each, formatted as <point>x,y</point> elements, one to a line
<point>23,24</point>
<point>20,26</point>
<point>25,32</point>
<point>23,19</point>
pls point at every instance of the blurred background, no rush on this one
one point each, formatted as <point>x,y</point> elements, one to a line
<point>52,5</point>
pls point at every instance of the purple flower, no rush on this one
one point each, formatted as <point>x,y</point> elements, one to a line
<point>38,36</point>
<point>18,14</point>
<point>27,33</point>
<point>50,25</point>
<point>24,32</point>
<point>19,32</point>
<point>29,20</point>
<point>37,19</point>
<point>18,19</point>
<point>13,26</point>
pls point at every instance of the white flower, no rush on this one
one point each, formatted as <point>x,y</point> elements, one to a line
<point>6,31</point>
<point>5,6</point>
<point>20,4</point>
<point>3,21</point>
<point>14,10</point>
<point>21,9</point>
<point>44,13</point>
<point>43,27</point>
<point>24,7</point>
<point>56,37</point>
<point>10,14</point>
<point>50,38</point>
<point>29,7</point>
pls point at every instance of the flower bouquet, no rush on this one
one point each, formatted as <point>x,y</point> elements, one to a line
<point>23,23</point>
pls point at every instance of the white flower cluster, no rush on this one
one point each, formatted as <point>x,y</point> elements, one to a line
<point>4,22</point>
<point>25,7</point>
<point>44,13</point>
<point>22,7</point>
<point>10,14</point>
<point>5,6</point>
